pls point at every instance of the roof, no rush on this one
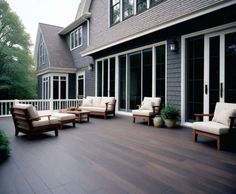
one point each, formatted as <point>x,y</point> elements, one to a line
<point>58,51</point>
<point>83,8</point>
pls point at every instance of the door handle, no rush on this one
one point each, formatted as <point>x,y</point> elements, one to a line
<point>206,89</point>
<point>221,90</point>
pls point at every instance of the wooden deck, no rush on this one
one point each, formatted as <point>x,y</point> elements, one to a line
<point>115,156</point>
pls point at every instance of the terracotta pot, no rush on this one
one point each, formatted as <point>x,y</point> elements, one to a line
<point>170,123</point>
<point>157,122</point>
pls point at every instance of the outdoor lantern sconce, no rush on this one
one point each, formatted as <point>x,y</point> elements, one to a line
<point>90,67</point>
<point>174,46</point>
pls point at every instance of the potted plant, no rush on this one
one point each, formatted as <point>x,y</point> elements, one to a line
<point>4,146</point>
<point>157,121</point>
<point>170,114</point>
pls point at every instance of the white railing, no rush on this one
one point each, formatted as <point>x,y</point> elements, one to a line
<point>40,105</point>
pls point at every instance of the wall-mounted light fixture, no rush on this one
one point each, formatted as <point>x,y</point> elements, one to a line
<point>90,67</point>
<point>173,46</point>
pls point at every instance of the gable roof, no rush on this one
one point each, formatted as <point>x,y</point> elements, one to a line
<point>83,8</point>
<point>59,55</point>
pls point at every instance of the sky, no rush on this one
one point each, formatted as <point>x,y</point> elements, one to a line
<point>55,12</point>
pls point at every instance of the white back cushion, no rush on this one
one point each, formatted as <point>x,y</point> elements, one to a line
<point>223,111</point>
<point>156,100</point>
<point>33,113</point>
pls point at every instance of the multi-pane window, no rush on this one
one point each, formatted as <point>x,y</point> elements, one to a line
<point>76,38</point>
<point>128,8</point>
<point>115,11</point>
<point>141,5</point>
<point>46,87</point>
<point>42,53</point>
<point>123,9</point>
<point>80,93</point>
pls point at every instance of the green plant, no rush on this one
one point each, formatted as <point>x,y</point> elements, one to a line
<point>4,146</point>
<point>170,112</point>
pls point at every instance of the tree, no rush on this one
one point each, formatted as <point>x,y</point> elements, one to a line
<point>17,69</point>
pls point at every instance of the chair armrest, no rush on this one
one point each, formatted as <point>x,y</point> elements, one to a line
<point>138,105</point>
<point>154,109</point>
<point>202,115</point>
<point>232,119</point>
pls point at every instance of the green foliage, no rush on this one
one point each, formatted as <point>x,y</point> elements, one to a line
<point>4,146</point>
<point>170,112</point>
<point>17,70</point>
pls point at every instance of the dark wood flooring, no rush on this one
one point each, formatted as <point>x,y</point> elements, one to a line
<point>115,156</point>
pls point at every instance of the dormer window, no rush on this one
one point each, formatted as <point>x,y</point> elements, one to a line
<point>76,38</point>
<point>42,53</point>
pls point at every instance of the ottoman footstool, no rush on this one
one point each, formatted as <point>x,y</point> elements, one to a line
<point>64,118</point>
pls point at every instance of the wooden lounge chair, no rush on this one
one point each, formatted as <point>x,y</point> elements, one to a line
<point>150,108</point>
<point>27,120</point>
<point>221,124</point>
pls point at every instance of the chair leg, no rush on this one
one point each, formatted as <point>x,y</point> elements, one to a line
<point>16,132</point>
<point>218,143</point>
<point>133,119</point>
<point>149,121</point>
<point>56,132</point>
<point>195,136</point>
<point>74,124</point>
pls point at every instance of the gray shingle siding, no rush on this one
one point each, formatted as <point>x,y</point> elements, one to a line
<point>174,75</point>
<point>168,10</point>
<point>90,83</point>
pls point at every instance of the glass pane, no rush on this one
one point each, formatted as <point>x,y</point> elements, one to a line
<point>134,80</point>
<point>141,5</point>
<point>55,90</point>
<point>112,77</point>
<point>63,89</point>
<point>214,72</point>
<point>128,8</point>
<point>147,73</point>
<point>115,14</point>
<point>105,78</point>
<point>194,63</point>
<point>122,82</point>
<point>160,72</point>
<point>99,78</point>
<point>80,88</point>
<point>153,2</point>
<point>230,67</point>
<point>115,2</point>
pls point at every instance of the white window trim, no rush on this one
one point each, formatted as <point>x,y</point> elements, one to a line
<point>80,31</point>
<point>42,53</point>
<point>44,89</point>
<point>77,79</point>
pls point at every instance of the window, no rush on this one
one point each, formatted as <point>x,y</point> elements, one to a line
<point>42,53</point>
<point>141,5</point>
<point>115,11</point>
<point>80,86</point>
<point>46,88</point>
<point>59,87</point>
<point>76,38</point>
<point>128,8</point>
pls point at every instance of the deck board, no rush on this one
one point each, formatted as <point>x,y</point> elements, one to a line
<point>116,156</point>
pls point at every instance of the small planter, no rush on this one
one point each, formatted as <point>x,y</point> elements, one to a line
<point>170,123</point>
<point>157,121</point>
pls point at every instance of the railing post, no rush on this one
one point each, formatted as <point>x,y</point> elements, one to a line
<point>51,104</point>
<point>16,102</point>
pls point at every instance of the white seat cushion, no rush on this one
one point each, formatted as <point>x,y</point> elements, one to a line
<point>63,116</point>
<point>211,127</point>
<point>142,112</point>
<point>94,109</point>
<point>45,121</point>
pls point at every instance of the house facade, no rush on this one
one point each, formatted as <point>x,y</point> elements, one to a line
<point>182,51</point>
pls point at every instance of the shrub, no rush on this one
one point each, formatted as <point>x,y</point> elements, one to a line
<point>4,146</point>
<point>170,112</point>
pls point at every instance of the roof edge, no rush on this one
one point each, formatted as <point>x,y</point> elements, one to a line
<point>75,23</point>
